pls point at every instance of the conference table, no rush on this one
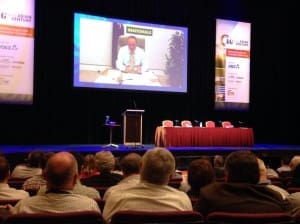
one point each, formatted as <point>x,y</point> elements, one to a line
<point>197,136</point>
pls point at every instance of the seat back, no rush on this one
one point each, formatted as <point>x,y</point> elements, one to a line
<point>12,202</point>
<point>100,203</point>
<point>101,189</point>
<point>186,124</point>
<point>175,182</point>
<point>248,218</point>
<point>143,217</point>
<point>16,182</point>
<point>227,124</point>
<point>210,124</point>
<point>167,123</point>
<point>82,217</point>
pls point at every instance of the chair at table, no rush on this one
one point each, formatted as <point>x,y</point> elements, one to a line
<point>81,217</point>
<point>249,218</point>
<point>210,124</point>
<point>227,124</point>
<point>167,123</point>
<point>143,217</point>
<point>186,124</point>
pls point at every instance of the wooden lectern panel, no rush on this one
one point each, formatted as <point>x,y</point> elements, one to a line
<point>133,127</point>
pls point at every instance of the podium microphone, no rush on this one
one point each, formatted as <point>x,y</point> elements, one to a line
<point>134,104</point>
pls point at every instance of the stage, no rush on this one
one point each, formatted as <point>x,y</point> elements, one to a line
<point>273,152</point>
<point>121,149</point>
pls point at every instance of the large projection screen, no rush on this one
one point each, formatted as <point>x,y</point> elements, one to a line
<point>16,51</point>
<point>232,65</point>
<point>99,40</point>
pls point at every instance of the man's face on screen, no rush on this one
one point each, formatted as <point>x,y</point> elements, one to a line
<point>131,44</point>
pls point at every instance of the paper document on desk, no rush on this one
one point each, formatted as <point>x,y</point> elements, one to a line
<point>112,77</point>
<point>146,78</point>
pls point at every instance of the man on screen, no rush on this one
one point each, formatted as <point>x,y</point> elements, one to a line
<point>131,58</point>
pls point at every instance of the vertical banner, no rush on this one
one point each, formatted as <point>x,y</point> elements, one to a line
<point>232,65</point>
<point>16,51</point>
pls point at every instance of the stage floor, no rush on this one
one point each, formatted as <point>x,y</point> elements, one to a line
<point>123,149</point>
<point>272,152</point>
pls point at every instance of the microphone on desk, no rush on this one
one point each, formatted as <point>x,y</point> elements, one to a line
<point>107,119</point>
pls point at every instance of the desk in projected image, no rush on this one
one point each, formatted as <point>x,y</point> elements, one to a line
<point>113,76</point>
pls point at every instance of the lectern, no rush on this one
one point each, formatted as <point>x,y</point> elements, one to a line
<point>133,127</point>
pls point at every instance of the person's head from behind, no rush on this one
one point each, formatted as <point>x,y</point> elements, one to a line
<point>131,42</point>
<point>285,160</point>
<point>45,158</point>
<point>200,173</point>
<point>61,171</point>
<point>130,164</point>
<point>218,161</point>
<point>4,169</point>
<point>242,167</point>
<point>295,161</point>
<point>79,159</point>
<point>262,170</point>
<point>34,158</point>
<point>105,161</point>
<point>157,166</point>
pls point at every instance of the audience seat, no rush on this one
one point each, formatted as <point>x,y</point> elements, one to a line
<point>249,218</point>
<point>82,217</point>
<point>100,203</point>
<point>143,217</point>
<point>293,189</point>
<point>175,182</point>
<point>16,182</point>
<point>101,190</point>
<point>9,201</point>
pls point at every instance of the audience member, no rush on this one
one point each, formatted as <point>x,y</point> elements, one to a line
<point>89,166</point>
<point>177,174</point>
<point>131,58</point>
<point>218,164</point>
<point>117,168</point>
<point>263,179</point>
<point>240,193</point>
<point>130,167</point>
<point>61,174</point>
<point>7,192</point>
<point>295,161</point>
<point>200,173</point>
<point>78,187</point>
<point>30,168</point>
<point>105,164</point>
<point>271,173</point>
<point>295,182</point>
<point>152,193</point>
<point>284,165</point>
<point>34,183</point>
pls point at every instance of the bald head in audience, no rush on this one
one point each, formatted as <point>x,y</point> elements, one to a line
<point>157,166</point>
<point>61,171</point>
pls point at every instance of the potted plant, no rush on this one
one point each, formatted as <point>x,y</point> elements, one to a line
<point>175,59</point>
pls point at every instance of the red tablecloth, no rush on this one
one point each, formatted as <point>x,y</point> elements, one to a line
<point>196,136</point>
